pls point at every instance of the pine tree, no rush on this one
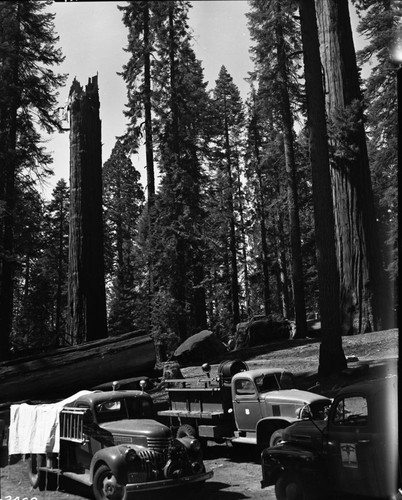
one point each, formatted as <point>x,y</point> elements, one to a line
<point>228,129</point>
<point>123,200</point>
<point>28,101</point>
<point>379,25</point>
<point>277,74</point>
<point>181,101</point>
<point>56,257</point>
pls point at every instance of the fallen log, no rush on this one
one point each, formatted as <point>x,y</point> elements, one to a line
<point>69,369</point>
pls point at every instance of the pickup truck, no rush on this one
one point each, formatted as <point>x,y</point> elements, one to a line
<point>239,405</point>
<point>106,440</point>
<point>354,451</point>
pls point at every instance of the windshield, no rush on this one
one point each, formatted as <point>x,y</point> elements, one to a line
<point>274,382</point>
<point>123,408</point>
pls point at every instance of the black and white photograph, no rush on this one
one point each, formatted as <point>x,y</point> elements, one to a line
<point>199,282</point>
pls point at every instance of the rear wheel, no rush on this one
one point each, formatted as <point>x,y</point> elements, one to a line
<point>290,487</point>
<point>106,486</point>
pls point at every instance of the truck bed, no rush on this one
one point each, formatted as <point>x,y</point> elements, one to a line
<point>198,398</point>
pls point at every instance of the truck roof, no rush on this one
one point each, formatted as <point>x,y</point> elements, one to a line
<point>96,397</point>
<point>371,386</point>
<point>257,372</point>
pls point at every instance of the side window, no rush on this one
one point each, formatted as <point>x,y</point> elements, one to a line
<point>351,411</point>
<point>244,387</point>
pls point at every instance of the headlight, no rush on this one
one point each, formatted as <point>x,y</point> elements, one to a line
<point>130,455</point>
<point>195,445</point>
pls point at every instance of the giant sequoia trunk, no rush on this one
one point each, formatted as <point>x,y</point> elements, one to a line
<point>87,302</point>
<point>358,257</point>
<point>332,358</point>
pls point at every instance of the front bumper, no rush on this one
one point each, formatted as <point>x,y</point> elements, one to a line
<point>169,483</point>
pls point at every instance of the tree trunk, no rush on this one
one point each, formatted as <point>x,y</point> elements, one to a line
<point>232,228</point>
<point>261,216</point>
<point>332,358</point>
<point>147,111</point>
<point>8,147</point>
<point>87,301</point>
<point>283,281</point>
<point>179,280</point>
<point>293,203</point>
<point>358,256</point>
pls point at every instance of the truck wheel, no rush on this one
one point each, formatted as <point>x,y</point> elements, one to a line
<point>37,477</point>
<point>275,437</point>
<point>186,430</point>
<point>290,487</point>
<point>106,487</point>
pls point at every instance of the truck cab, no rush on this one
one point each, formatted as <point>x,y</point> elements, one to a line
<point>266,400</point>
<point>354,451</point>
<point>106,440</point>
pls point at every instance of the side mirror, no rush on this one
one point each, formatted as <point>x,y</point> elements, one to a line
<point>305,413</point>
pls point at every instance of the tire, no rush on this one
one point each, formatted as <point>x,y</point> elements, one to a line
<point>37,477</point>
<point>275,437</point>
<point>106,487</point>
<point>290,487</point>
<point>186,430</point>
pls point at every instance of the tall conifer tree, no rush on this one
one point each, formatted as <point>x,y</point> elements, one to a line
<point>28,101</point>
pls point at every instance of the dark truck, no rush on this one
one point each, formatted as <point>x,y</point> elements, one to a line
<point>354,451</point>
<point>109,441</point>
<point>239,405</point>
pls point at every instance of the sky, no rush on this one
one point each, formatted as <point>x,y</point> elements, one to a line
<point>92,37</point>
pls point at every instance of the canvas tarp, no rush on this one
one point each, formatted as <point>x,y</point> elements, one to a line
<point>35,428</point>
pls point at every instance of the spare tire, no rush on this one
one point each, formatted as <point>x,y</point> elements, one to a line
<point>230,367</point>
<point>186,430</point>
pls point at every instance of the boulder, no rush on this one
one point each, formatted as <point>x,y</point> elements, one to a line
<point>261,330</point>
<point>199,348</point>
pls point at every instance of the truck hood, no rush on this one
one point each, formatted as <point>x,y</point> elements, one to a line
<point>138,427</point>
<point>293,396</point>
<point>306,433</point>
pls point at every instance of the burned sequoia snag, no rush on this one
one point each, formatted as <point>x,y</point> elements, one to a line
<point>86,286</point>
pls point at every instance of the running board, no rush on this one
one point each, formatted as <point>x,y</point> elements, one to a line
<point>244,440</point>
<point>81,478</point>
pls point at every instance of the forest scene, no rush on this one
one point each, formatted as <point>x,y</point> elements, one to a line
<point>282,205</point>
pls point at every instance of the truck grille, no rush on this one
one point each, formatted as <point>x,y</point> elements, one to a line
<point>158,444</point>
<point>152,463</point>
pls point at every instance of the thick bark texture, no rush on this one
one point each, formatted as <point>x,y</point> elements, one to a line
<point>87,302</point>
<point>332,358</point>
<point>358,255</point>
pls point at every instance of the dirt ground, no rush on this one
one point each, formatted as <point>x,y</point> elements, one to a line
<point>237,471</point>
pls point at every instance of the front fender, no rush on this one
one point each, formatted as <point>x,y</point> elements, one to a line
<point>285,457</point>
<point>266,426</point>
<point>113,457</point>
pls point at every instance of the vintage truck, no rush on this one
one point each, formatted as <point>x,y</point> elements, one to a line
<point>239,405</point>
<point>106,440</point>
<point>354,451</point>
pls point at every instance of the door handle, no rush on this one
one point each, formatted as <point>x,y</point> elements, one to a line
<point>363,441</point>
